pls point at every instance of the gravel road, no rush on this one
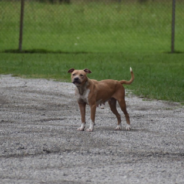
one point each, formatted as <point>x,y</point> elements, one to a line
<point>39,143</point>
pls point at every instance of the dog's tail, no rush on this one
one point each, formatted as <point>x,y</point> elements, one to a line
<point>131,80</point>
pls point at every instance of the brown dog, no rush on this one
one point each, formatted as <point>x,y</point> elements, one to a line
<point>93,93</point>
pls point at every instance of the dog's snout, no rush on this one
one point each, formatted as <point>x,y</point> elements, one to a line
<point>76,79</point>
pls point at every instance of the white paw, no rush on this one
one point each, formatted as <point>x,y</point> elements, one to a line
<point>91,127</point>
<point>82,127</point>
<point>128,127</point>
<point>118,127</point>
<point>89,130</point>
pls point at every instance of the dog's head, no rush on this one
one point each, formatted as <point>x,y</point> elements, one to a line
<point>79,77</point>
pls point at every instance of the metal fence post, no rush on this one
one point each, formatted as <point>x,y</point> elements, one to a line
<point>173,27</point>
<point>21,25</point>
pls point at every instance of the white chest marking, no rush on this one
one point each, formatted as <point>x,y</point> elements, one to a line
<point>84,96</point>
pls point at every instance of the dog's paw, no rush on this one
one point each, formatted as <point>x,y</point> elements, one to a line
<point>82,127</point>
<point>128,127</point>
<point>91,127</point>
<point>89,130</point>
<point>118,127</point>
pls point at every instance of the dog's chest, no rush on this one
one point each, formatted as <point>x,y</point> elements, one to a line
<point>84,96</point>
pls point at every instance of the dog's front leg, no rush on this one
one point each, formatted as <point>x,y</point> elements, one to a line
<point>82,107</point>
<point>93,112</point>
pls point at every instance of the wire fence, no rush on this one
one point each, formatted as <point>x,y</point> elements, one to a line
<point>91,26</point>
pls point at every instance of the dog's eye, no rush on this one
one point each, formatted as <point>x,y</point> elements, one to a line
<point>74,74</point>
<point>81,75</point>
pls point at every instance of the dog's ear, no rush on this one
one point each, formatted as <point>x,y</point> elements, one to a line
<point>87,70</point>
<point>71,70</point>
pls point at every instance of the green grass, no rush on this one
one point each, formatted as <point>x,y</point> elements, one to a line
<point>107,38</point>
<point>157,76</point>
<point>92,27</point>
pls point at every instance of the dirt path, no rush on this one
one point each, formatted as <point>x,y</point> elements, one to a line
<point>39,142</point>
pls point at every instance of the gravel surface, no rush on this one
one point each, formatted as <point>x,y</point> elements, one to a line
<point>39,143</point>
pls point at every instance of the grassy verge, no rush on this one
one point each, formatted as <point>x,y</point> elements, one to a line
<point>158,76</point>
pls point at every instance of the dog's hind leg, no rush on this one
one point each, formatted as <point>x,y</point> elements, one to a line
<point>123,108</point>
<point>112,104</point>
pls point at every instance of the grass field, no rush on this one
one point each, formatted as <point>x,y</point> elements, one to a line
<point>158,76</point>
<point>92,27</point>
<point>106,38</point>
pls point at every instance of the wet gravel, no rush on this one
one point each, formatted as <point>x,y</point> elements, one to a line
<point>40,144</point>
